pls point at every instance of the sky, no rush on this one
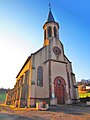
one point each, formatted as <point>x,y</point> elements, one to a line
<point>21,33</point>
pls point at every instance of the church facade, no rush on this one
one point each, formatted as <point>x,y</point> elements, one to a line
<point>46,75</point>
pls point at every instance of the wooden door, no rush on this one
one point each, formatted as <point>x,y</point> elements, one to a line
<point>60,94</point>
<point>59,88</point>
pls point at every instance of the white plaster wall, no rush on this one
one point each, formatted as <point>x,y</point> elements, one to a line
<point>56,42</point>
<point>39,60</point>
<point>43,92</point>
<point>58,69</point>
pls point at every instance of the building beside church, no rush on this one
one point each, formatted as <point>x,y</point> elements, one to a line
<point>46,75</point>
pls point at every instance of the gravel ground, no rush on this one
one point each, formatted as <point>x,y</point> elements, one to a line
<point>62,112</point>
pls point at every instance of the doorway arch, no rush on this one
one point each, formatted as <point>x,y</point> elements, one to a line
<point>59,89</point>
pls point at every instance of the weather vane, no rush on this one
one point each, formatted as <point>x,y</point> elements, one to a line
<point>49,6</point>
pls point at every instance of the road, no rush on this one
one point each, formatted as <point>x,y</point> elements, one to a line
<point>62,112</point>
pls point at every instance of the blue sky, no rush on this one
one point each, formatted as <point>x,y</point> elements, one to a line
<point>21,33</point>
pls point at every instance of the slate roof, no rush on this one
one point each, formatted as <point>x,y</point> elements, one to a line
<point>50,17</point>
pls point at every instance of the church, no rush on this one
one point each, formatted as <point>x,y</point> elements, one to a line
<point>46,75</point>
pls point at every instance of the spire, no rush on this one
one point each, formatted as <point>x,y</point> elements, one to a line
<point>51,28</point>
<point>50,15</point>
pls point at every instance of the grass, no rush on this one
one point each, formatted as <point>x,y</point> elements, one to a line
<point>84,95</point>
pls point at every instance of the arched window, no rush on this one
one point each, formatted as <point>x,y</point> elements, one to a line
<point>49,31</point>
<point>44,34</point>
<point>40,76</point>
<point>55,32</point>
<point>59,82</point>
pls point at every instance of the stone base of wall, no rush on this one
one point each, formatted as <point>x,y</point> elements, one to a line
<point>53,101</point>
<point>75,101</point>
<point>33,101</point>
<point>68,101</point>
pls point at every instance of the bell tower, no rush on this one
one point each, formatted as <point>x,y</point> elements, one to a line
<point>51,28</point>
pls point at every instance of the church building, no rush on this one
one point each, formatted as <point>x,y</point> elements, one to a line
<point>46,75</point>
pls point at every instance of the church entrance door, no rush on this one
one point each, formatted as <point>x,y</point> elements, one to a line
<point>59,87</point>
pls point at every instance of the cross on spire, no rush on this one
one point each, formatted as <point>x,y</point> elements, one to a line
<point>49,6</point>
<point>50,15</point>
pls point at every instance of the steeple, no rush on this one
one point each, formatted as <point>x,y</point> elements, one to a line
<point>51,28</point>
<point>50,17</point>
